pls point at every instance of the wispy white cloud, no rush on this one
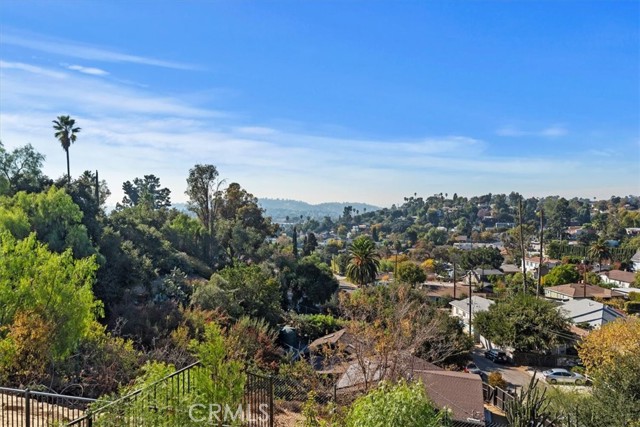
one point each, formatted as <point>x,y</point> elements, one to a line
<point>88,70</point>
<point>71,49</point>
<point>552,131</point>
<point>128,131</point>
<point>8,65</point>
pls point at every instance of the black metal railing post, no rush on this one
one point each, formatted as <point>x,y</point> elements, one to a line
<point>27,407</point>
<point>271,411</point>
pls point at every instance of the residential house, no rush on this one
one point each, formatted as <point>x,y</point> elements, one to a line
<point>481,275</point>
<point>327,352</point>
<point>510,269</point>
<point>594,313</point>
<point>627,291</point>
<point>467,246</point>
<point>459,393</point>
<point>460,309</point>
<point>635,259</point>
<point>622,279</point>
<point>572,291</point>
<point>532,265</point>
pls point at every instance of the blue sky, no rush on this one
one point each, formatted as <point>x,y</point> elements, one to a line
<point>332,101</point>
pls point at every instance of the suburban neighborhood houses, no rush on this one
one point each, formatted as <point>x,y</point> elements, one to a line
<point>319,213</point>
<point>587,285</point>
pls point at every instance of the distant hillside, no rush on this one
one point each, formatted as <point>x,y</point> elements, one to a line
<point>280,209</point>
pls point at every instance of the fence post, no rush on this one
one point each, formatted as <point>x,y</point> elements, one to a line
<point>271,411</point>
<point>27,407</point>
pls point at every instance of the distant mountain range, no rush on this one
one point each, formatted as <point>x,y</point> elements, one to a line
<point>280,209</point>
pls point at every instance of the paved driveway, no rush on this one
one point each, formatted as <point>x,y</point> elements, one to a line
<point>511,374</point>
<point>518,376</point>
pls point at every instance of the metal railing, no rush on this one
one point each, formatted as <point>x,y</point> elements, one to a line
<point>162,403</point>
<point>130,409</point>
<point>27,408</point>
<point>496,396</point>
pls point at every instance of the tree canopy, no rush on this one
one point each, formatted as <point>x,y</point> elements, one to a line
<point>42,292</point>
<point>401,404</point>
<point>364,261</point>
<point>523,322</point>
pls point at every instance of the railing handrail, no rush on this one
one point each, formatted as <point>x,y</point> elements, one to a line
<point>45,394</point>
<point>91,413</point>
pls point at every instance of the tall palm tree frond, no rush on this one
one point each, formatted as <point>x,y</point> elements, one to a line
<point>66,133</point>
<point>364,261</point>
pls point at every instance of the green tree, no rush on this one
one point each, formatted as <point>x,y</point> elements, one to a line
<point>561,275</point>
<point>523,322</point>
<point>20,170</point>
<point>401,404</point>
<point>241,225</point>
<point>437,236</point>
<point>364,261</point>
<point>203,186</point>
<point>67,135</point>
<point>145,191</point>
<point>310,244</point>
<point>42,289</point>
<point>411,273</point>
<point>482,257</point>
<point>599,251</point>
<point>294,242</point>
<point>312,282</point>
<point>54,217</point>
<point>254,288</point>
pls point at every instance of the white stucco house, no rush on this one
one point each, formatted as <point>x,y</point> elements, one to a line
<point>460,309</point>
<point>594,313</point>
<point>622,279</point>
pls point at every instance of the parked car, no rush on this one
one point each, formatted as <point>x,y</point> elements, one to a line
<point>496,356</point>
<point>472,368</point>
<point>559,375</point>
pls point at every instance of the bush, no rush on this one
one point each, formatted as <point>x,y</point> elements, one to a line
<point>496,380</point>
<point>313,326</point>
<point>632,307</point>
<point>402,404</point>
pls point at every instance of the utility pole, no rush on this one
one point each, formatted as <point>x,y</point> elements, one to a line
<point>454,280</point>
<point>470,305</point>
<point>524,269</point>
<point>541,252</point>
<point>584,278</point>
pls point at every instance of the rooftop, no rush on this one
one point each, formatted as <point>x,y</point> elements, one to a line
<point>458,391</point>
<point>477,304</point>
<point>621,276</point>
<point>581,290</point>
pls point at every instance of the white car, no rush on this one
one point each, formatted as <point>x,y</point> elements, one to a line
<point>554,376</point>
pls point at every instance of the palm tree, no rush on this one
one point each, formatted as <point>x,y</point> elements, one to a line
<point>599,251</point>
<point>364,261</point>
<point>66,134</point>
